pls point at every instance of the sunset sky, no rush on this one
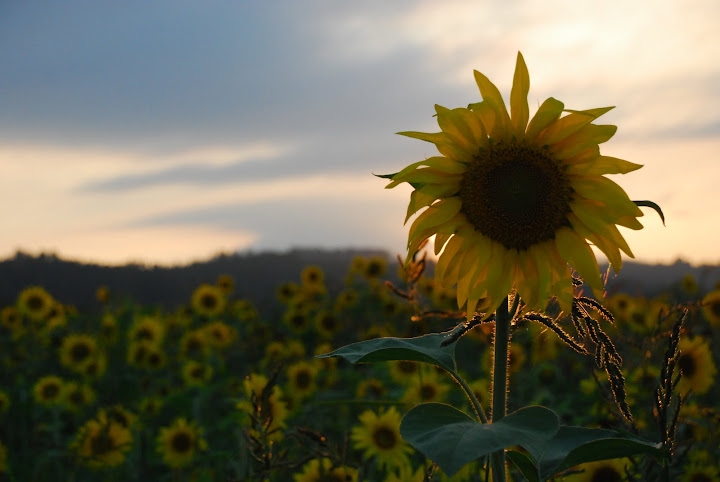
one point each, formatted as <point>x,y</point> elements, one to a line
<point>170,131</point>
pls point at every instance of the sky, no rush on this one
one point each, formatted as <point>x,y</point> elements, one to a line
<point>170,131</point>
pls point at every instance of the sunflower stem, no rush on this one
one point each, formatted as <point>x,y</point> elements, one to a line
<point>501,344</point>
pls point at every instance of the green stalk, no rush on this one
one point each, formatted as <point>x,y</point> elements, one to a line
<point>501,343</point>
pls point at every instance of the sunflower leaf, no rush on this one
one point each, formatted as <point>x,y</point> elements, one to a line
<point>426,348</point>
<point>650,204</point>
<point>452,439</point>
<point>525,464</point>
<point>572,446</point>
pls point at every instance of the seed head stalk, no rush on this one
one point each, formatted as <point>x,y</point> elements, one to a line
<point>501,343</point>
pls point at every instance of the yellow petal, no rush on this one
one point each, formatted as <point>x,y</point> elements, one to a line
<point>452,249</point>
<point>440,242</point>
<point>604,165</point>
<point>602,189</point>
<point>491,95</point>
<point>500,280</point>
<point>574,249</point>
<point>548,113</point>
<point>519,111</point>
<point>603,244</point>
<point>569,125</point>
<point>418,200</point>
<point>604,229</point>
<point>485,114</point>
<point>453,124</point>
<point>591,134</point>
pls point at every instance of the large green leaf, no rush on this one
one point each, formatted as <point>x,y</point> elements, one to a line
<point>452,439</point>
<point>525,464</point>
<point>426,348</point>
<point>571,446</point>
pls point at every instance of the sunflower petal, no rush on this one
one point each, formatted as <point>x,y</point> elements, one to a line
<point>574,248</point>
<point>588,136</point>
<point>604,165</point>
<point>453,124</point>
<point>485,114</point>
<point>519,111</point>
<point>491,95</point>
<point>441,240</point>
<point>568,125</point>
<point>548,113</point>
<point>452,249</point>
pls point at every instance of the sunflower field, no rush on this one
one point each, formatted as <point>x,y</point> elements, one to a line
<point>217,390</point>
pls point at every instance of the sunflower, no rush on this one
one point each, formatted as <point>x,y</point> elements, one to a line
<point>688,284</point>
<point>375,267</point>
<point>208,300</point>
<point>696,365</point>
<point>379,435</point>
<point>512,203</point>
<point>196,374</point>
<point>323,470</point>
<point>179,443</point>
<point>4,402</point>
<point>428,387</point>
<point>77,351</point>
<point>287,291</point>
<point>108,328</point>
<point>371,388</point>
<point>12,320</point>
<point>48,390</point>
<point>701,468</point>
<point>226,283</point>
<point>302,379</point>
<point>346,299</point>
<point>35,303</point>
<point>298,320</point>
<point>194,344</point>
<point>604,470</point>
<point>711,307</point>
<point>327,324</point>
<point>244,310</point>
<point>117,413</point>
<point>312,276</point>
<point>147,329</point>
<point>77,396</point>
<point>102,442</point>
<point>102,294</point>
<point>403,371</point>
<point>264,404</point>
<point>219,334</point>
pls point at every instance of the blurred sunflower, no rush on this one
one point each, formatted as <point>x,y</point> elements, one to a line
<point>688,284</point>
<point>226,283</point>
<point>108,328</point>
<point>117,413</point>
<point>403,371</point>
<point>194,344</point>
<point>323,470</point>
<point>513,203</point>
<point>270,411</point>
<point>286,292</point>
<point>77,396</point>
<point>379,436</point>
<point>35,303</point>
<point>179,443</point>
<point>326,324</point>
<point>155,358</point>
<point>48,390</point>
<point>620,305</point>
<point>4,402</point>
<point>312,276</point>
<point>298,320</point>
<point>711,307</point>
<point>244,310</point>
<point>77,351</point>
<point>196,374</point>
<point>375,267</point>
<point>12,320</point>
<point>696,365</point>
<point>219,334</point>
<point>96,368</point>
<point>426,388</point>
<point>604,470</point>
<point>102,294</point>
<point>208,300</point>
<point>147,329</point>
<point>346,299</point>
<point>371,388</point>
<point>702,468</point>
<point>102,442</point>
<point>301,379</point>
<point>284,351</point>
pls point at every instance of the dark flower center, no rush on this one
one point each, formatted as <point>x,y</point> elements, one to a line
<point>101,442</point>
<point>80,352</point>
<point>36,303</point>
<point>606,474</point>
<point>303,380</point>
<point>427,391</point>
<point>515,194</point>
<point>715,308</point>
<point>208,301</point>
<point>181,442</point>
<point>50,391</point>
<point>384,438</point>
<point>687,365</point>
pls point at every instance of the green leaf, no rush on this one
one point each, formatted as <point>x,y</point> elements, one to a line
<point>525,464</point>
<point>452,439</point>
<point>650,204</point>
<point>571,446</point>
<point>426,348</point>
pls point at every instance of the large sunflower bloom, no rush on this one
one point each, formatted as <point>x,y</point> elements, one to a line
<point>379,435</point>
<point>514,202</point>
